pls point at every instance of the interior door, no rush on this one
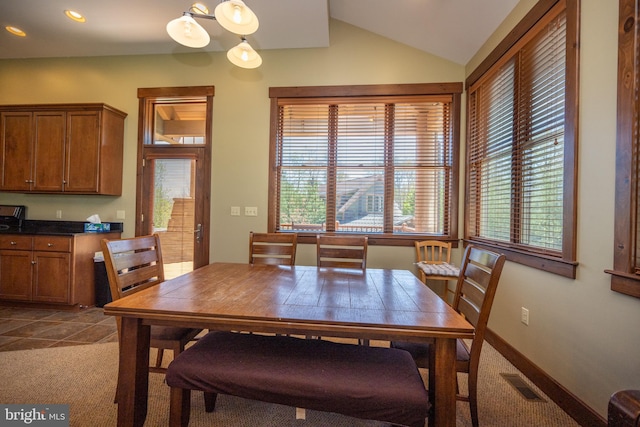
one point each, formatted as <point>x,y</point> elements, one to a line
<point>174,178</point>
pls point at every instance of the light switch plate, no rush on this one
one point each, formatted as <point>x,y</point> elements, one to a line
<point>524,316</point>
<point>251,211</point>
<point>235,210</point>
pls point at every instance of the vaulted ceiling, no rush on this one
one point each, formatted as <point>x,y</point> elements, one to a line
<point>452,29</point>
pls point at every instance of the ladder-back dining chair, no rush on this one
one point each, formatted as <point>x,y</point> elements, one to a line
<point>433,259</point>
<point>133,265</point>
<point>342,251</point>
<point>273,248</point>
<point>476,287</point>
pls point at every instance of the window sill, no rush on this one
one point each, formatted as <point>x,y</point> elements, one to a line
<point>384,239</point>
<point>542,262</point>
<point>625,283</point>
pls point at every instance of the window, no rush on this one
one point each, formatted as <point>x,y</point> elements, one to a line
<point>625,275</point>
<point>374,203</point>
<point>521,143</point>
<point>378,160</point>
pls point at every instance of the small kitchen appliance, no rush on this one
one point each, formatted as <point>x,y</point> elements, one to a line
<point>12,217</point>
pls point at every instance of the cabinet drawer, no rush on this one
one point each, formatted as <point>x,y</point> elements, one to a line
<point>12,241</point>
<point>52,243</point>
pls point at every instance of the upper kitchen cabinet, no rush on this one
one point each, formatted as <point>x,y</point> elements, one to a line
<point>56,148</point>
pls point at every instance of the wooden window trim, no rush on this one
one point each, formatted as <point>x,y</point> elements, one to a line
<point>624,278</point>
<point>565,264</point>
<point>453,89</point>
<point>146,98</point>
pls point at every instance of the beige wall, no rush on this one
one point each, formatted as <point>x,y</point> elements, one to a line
<point>241,118</point>
<point>580,332</point>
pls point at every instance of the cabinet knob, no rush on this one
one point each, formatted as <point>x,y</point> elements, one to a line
<point>13,243</point>
<point>33,262</point>
<point>49,244</point>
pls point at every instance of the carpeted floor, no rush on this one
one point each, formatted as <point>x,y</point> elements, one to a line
<point>84,377</point>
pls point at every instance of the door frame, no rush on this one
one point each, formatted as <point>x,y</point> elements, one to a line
<point>148,98</point>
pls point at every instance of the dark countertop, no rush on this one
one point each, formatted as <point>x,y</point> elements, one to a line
<point>61,228</point>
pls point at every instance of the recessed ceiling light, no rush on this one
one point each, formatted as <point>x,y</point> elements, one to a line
<point>75,16</point>
<point>15,31</point>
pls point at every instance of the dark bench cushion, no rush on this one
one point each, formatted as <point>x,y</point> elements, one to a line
<point>364,382</point>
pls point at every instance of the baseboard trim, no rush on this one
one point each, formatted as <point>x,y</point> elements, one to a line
<point>577,409</point>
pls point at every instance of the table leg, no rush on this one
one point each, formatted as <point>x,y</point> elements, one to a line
<point>133,373</point>
<point>442,384</point>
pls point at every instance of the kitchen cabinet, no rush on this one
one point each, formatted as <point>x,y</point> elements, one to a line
<point>16,270</point>
<point>49,269</point>
<point>52,269</point>
<point>61,148</point>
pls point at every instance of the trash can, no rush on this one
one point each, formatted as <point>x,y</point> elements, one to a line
<point>103,293</point>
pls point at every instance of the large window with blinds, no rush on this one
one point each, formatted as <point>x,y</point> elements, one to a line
<point>375,160</point>
<point>521,144</point>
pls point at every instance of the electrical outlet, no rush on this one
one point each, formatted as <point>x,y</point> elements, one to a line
<point>250,211</point>
<point>59,213</point>
<point>524,316</point>
<point>235,210</point>
<point>120,214</point>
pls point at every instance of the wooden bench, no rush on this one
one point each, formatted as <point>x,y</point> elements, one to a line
<point>364,382</point>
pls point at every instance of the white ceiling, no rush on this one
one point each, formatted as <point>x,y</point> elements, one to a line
<point>452,29</point>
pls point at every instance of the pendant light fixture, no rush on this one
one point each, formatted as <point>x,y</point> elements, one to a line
<point>233,16</point>
<point>244,56</point>
<point>236,17</point>
<point>186,31</point>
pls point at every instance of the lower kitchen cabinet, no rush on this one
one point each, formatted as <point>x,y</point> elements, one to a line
<point>16,268</point>
<point>49,270</point>
<point>52,271</point>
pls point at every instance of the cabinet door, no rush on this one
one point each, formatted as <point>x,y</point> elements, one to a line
<point>48,151</point>
<point>52,273</point>
<point>15,275</point>
<point>16,146</point>
<point>83,151</point>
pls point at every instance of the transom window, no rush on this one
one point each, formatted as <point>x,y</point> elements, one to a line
<point>379,160</point>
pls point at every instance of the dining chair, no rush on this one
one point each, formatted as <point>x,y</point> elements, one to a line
<point>433,259</point>
<point>342,251</point>
<point>273,248</point>
<point>476,287</point>
<point>135,264</point>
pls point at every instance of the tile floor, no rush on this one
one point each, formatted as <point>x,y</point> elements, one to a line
<point>25,328</point>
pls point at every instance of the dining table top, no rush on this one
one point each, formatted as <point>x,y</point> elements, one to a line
<point>371,304</point>
<point>374,303</point>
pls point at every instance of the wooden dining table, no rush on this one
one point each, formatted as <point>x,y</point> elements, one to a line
<point>375,304</point>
